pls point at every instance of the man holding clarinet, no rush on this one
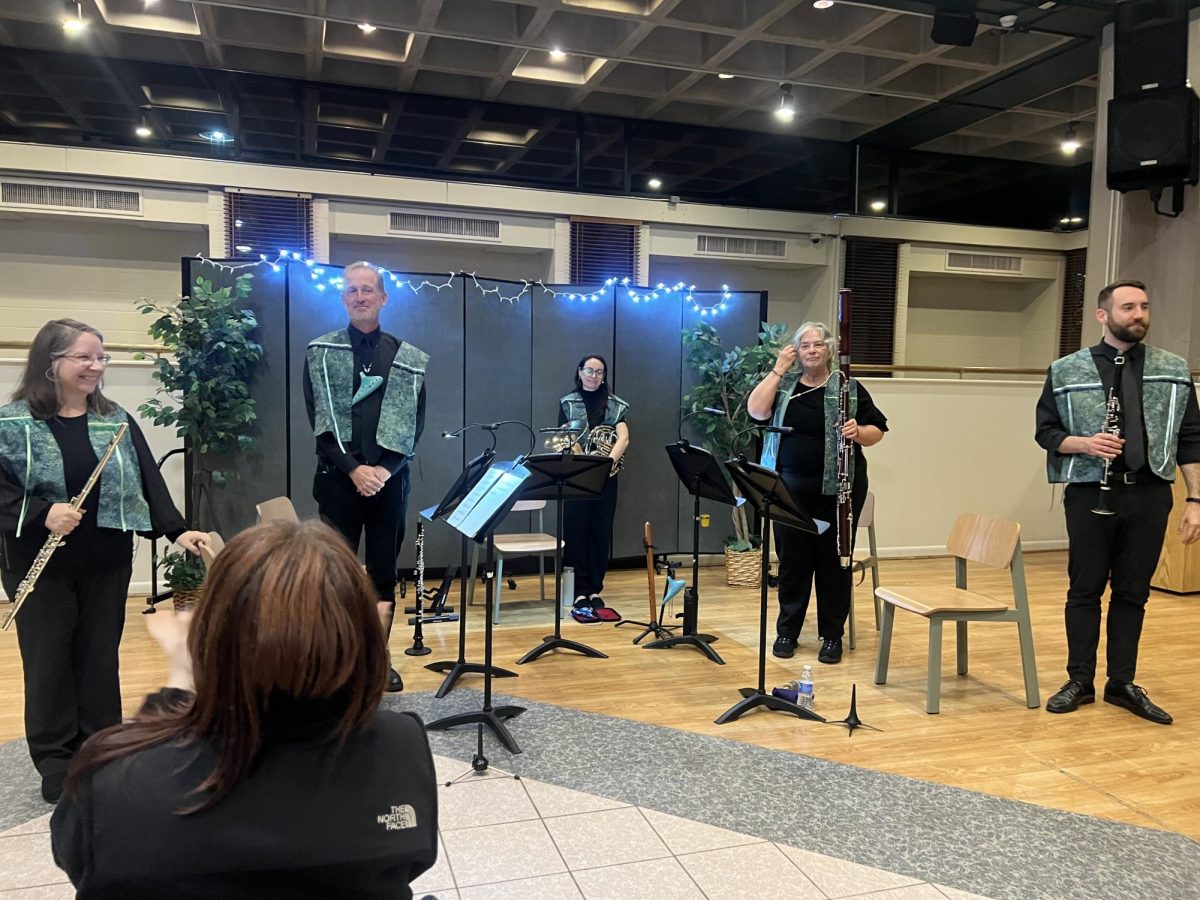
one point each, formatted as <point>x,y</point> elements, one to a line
<point>1115,420</point>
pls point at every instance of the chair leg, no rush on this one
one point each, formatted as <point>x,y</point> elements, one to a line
<point>1033,698</point>
<point>885,643</point>
<point>961,642</point>
<point>874,588</point>
<point>499,587</point>
<point>933,686</point>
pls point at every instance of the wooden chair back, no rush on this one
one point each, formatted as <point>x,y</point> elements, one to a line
<point>277,509</point>
<point>984,539</point>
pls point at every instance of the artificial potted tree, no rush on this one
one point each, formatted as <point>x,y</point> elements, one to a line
<point>183,573</point>
<point>203,373</point>
<point>725,379</point>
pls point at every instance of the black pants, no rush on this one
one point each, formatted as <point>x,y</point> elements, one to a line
<point>805,558</point>
<point>69,632</point>
<point>1122,548</point>
<point>587,538</point>
<point>381,517</point>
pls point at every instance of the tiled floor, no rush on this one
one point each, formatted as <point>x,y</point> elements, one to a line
<point>516,838</point>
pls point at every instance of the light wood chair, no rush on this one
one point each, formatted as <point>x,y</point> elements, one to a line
<point>978,539</point>
<point>277,509</point>
<point>209,553</point>
<point>866,559</point>
<point>513,545</point>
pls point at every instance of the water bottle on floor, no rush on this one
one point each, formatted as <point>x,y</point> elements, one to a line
<point>804,688</point>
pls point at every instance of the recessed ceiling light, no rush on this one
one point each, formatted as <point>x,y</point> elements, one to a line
<point>243,248</point>
<point>654,184</point>
<point>216,137</point>
<point>557,55</point>
<point>878,205</point>
<point>143,131</point>
<point>822,4</point>
<point>1070,142</point>
<point>786,111</point>
<point>73,22</point>
<point>366,27</point>
<point>724,76</point>
<point>1076,220</point>
<point>1049,4</point>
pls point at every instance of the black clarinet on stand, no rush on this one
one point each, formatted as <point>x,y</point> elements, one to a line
<point>1112,425</point>
<point>418,648</point>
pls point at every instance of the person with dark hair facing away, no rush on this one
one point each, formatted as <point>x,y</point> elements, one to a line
<point>806,400</point>
<point>594,411</point>
<point>1115,419</point>
<point>364,391</point>
<point>52,436</point>
<point>279,776</point>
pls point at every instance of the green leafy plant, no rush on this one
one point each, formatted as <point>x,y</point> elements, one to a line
<point>202,376</point>
<point>182,571</point>
<point>726,377</point>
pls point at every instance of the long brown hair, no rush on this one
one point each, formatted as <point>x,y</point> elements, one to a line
<point>287,616</point>
<point>37,388</point>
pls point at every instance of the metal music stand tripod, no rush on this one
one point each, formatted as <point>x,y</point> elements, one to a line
<point>561,477</point>
<point>703,476</point>
<point>456,668</point>
<point>478,516</point>
<point>765,491</point>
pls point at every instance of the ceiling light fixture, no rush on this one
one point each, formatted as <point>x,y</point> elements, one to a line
<point>143,131</point>
<point>654,184</point>
<point>557,55</point>
<point>878,205</point>
<point>367,28</point>
<point>1070,142</point>
<point>786,110</point>
<point>724,76</point>
<point>1076,220</point>
<point>73,22</point>
<point>243,248</point>
<point>822,4</point>
<point>216,137</point>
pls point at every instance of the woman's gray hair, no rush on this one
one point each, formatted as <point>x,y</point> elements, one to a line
<point>826,337</point>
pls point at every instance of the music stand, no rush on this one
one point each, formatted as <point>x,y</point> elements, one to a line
<point>477,516</point>
<point>703,477</point>
<point>558,477</point>
<point>456,668</point>
<point>765,491</point>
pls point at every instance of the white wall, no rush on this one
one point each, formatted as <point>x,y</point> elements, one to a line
<point>438,257</point>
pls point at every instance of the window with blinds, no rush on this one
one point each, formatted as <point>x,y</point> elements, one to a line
<point>871,273</point>
<point>1070,328</point>
<point>267,223</point>
<point>603,249</point>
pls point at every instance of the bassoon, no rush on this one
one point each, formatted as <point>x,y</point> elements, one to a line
<point>845,486</point>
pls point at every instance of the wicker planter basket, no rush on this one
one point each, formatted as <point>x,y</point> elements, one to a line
<point>184,600</point>
<point>744,568</point>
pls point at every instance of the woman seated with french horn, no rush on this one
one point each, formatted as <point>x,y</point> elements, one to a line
<point>599,416</point>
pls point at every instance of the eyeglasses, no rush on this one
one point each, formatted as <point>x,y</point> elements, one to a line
<point>591,373</point>
<point>84,360</point>
<point>819,345</point>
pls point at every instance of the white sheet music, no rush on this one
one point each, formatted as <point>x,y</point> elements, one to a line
<point>498,484</point>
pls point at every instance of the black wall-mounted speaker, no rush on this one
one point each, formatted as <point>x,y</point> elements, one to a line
<point>955,28</point>
<point>1150,45</point>
<point>1153,139</point>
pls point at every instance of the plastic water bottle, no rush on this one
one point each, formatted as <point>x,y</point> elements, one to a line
<point>804,688</point>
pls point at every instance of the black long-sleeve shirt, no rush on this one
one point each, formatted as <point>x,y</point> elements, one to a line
<point>1050,432</point>
<point>374,351</point>
<point>88,547</point>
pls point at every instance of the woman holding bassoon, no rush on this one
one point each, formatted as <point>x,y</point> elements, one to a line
<point>803,392</point>
<point>52,436</point>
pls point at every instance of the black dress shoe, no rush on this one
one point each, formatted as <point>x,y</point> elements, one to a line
<point>395,682</point>
<point>784,647</point>
<point>1134,699</point>
<point>831,652</point>
<point>1070,697</point>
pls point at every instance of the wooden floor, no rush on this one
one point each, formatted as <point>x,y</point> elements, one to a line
<point>1101,760</point>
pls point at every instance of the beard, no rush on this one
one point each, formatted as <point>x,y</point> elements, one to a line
<point>1131,334</point>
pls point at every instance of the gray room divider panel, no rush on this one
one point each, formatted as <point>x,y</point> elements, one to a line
<point>646,373</point>
<point>261,473</point>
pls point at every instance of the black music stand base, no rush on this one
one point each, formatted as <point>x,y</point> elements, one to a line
<point>660,632</point>
<point>493,718</point>
<point>700,641</point>
<point>852,720</point>
<point>753,698</point>
<point>456,669</point>
<point>557,642</point>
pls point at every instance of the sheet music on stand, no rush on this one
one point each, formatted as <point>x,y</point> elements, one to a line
<point>489,501</point>
<point>467,479</point>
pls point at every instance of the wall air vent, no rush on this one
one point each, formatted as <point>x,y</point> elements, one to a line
<point>53,197</point>
<point>444,226</point>
<point>756,248</point>
<point>983,262</point>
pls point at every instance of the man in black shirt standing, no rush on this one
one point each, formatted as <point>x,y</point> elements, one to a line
<point>1120,536</point>
<point>365,395</point>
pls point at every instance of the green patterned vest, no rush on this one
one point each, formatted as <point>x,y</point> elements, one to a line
<point>33,458</point>
<point>330,361</point>
<point>576,411</point>
<point>770,451</point>
<point>1081,401</point>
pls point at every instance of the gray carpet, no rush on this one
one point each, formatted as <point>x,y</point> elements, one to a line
<point>986,845</point>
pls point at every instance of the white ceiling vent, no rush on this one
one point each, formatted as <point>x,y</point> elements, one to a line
<point>754,248</point>
<point>62,197</point>
<point>983,262</point>
<point>444,226</point>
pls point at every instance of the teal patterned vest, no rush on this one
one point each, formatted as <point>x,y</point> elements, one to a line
<point>32,456</point>
<point>770,451</point>
<point>330,361</point>
<point>1081,401</point>
<point>574,409</point>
